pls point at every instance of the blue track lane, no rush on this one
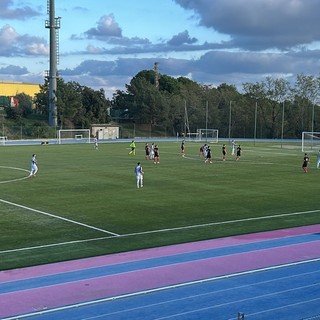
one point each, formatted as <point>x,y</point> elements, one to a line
<point>285,293</point>
<point>151,263</point>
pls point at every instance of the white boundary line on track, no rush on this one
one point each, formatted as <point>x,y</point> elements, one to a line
<point>13,180</point>
<point>134,294</point>
<point>58,217</point>
<point>114,235</point>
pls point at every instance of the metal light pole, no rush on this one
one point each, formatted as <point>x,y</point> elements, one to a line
<point>312,125</point>
<point>255,123</point>
<point>207,121</point>
<point>230,108</point>
<point>282,124</point>
<point>53,24</point>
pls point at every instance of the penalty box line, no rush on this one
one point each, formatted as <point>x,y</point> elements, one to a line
<point>58,217</point>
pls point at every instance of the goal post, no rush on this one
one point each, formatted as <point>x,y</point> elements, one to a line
<point>310,141</point>
<point>208,135</point>
<point>73,136</point>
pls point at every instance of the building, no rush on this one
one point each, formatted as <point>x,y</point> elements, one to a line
<point>8,91</point>
<point>104,131</point>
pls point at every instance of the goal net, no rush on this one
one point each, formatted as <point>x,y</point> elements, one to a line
<point>310,141</point>
<point>73,136</point>
<point>211,135</point>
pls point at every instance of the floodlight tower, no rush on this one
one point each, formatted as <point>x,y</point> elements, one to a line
<point>156,74</point>
<point>54,25</point>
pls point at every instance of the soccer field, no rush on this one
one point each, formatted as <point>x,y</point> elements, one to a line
<point>84,202</point>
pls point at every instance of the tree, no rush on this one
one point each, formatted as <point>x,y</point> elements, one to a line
<point>78,106</point>
<point>306,92</point>
<point>25,104</point>
<point>268,95</point>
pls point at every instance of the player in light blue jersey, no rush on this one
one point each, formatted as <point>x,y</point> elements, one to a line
<point>233,147</point>
<point>318,160</point>
<point>139,175</point>
<point>34,167</point>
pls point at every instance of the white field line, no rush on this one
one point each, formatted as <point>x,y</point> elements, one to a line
<point>160,230</point>
<point>58,217</point>
<point>159,290</point>
<point>13,180</point>
<point>222,223</point>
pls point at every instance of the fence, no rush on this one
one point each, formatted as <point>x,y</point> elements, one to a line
<point>41,131</point>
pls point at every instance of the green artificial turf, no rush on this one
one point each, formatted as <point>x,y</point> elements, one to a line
<point>84,202</point>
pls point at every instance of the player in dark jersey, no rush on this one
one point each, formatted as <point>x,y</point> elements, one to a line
<point>209,156</point>
<point>147,150</point>
<point>224,152</point>
<point>182,149</point>
<point>238,152</point>
<point>306,160</point>
<point>156,155</point>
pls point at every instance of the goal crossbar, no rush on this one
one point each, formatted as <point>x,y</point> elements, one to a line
<point>310,141</point>
<point>211,135</point>
<point>73,136</point>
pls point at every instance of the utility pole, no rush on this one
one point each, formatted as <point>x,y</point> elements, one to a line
<point>53,24</point>
<point>156,74</point>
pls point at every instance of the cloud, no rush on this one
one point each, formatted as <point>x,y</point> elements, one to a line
<point>107,27</point>
<point>213,67</point>
<point>21,13</point>
<point>181,38</point>
<point>13,70</point>
<point>258,25</point>
<point>259,38</point>
<point>13,44</point>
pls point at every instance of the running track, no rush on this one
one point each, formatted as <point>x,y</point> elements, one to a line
<point>269,275</point>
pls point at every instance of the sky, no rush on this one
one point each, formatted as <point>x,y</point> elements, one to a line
<point>104,43</point>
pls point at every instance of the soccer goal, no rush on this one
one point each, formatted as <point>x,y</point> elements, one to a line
<point>208,135</point>
<point>310,141</point>
<point>3,140</point>
<point>73,136</point>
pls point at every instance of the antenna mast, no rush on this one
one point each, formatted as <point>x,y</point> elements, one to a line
<point>156,74</point>
<point>54,25</point>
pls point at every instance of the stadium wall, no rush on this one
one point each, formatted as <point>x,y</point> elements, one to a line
<point>11,89</point>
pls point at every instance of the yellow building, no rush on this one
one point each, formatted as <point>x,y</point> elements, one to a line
<point>11,89</point>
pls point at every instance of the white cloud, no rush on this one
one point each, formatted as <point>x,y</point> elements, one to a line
<point>107,27</point>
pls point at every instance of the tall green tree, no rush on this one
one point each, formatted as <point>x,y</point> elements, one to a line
<point>78,106</point>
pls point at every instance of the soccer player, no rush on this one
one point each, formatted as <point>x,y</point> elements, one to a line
<point>182,149</point>
<point>318,160</point>
<point>208,155</point>
<point>306,160</point>
<point>34,167</point>
<point>238,152</point>
<point>139,175</point>
<point>156,155</point>
<point>147,150</point>
<point>95,143</point>
<point>224,152</point>
<point>201,152</point>
<point>233,144</point>
<point>205,149</point>
<point>133,148</point>
<point>152,151</point>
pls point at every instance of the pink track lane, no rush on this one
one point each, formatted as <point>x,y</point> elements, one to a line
<point>62,267</point>
<point>114,285</point>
